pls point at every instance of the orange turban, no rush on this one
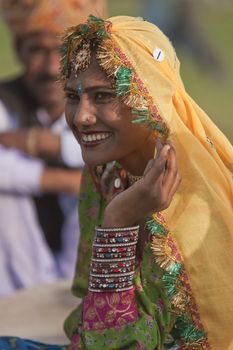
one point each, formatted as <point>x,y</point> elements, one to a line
<point>27,16</point>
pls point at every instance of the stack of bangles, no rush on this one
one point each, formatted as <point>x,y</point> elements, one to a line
<point>113,259</point>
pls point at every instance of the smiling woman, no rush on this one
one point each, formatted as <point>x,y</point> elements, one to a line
<point>149,280</point>
<point>122,82</point>
<point>102,123</point>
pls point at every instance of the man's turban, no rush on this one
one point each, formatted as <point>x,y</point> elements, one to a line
<point>27,16</point>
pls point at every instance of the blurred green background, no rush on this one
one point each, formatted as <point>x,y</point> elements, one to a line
<point>213,92</point>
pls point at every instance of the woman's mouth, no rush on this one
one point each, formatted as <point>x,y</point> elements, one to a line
<point>91,139</point>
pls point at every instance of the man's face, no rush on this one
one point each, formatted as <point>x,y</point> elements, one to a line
<point>40,56</point>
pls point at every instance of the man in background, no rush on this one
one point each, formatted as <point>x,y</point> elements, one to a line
<point>40,162</point>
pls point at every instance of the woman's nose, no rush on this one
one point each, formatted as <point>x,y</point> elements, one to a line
<point>85,114</point>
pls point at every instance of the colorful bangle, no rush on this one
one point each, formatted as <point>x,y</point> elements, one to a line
<point>117,229</point>
<point>115,255</point>
<point>113,265</point>
<point>117,250</point>
<point>116,240</point>
<point>107,269</point>
<point>113,259</point>
<point>114,245</point>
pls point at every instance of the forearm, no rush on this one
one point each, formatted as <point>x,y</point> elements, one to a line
<point>111,306</point>
<point>43,143</point>
<point>36,142</point>
<point>19,174</point>
<point>151,308</point>
<point>60,180</point>
<point>111,277</point>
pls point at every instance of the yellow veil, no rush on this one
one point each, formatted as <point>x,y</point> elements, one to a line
<point>200,215</point>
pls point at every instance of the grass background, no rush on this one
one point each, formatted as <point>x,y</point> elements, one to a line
<point>214,95</point>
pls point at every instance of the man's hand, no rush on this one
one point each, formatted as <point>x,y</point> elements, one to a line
<point>59,180</point>
<point>14,139</point>
<point>36,142</point>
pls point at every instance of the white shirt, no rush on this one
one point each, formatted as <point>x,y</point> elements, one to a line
<point>70,150</point>
<point>25,258</point>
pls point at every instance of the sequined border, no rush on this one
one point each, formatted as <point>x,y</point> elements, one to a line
<point>177,286</point>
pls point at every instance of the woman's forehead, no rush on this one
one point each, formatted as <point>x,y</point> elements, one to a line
<point>93,74</point>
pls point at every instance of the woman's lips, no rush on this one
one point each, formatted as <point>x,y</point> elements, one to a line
<point>90,139</point>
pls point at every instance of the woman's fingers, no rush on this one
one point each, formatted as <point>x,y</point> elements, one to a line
<point>171,179</point>
<point>174,188</point>
<point>158,148</point>
<point>166,178</point>
<point>160,180</point>
<point>156,167</point>
<point>148,167</point>
<point>171,169</point>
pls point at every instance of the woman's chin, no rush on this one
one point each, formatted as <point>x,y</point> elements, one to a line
<point>94,161</point>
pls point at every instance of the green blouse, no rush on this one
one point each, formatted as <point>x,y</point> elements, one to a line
<point>152,328</point>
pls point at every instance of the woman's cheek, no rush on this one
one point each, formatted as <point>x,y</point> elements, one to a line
<point>69,115</point>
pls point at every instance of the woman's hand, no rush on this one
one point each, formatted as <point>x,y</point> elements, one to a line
<point>152,193</point>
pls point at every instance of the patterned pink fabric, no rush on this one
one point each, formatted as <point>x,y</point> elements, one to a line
<point>75,342</point>
<point>109,309</point>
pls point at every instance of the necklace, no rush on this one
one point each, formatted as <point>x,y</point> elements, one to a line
<point>133,178</point>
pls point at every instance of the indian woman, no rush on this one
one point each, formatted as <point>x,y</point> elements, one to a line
<point>155,265</point>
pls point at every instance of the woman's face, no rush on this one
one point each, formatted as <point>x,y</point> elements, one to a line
<point>101,123</point>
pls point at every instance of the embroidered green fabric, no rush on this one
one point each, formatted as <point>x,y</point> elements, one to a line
<point>155,321</point>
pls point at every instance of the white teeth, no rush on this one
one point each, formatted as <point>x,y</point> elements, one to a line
<point>94,137</point>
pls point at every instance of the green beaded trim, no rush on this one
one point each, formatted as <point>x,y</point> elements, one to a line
<point>187,325</point>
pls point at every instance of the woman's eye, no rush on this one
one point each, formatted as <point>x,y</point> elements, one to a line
<point>72,96</point>
<point>104,96</point>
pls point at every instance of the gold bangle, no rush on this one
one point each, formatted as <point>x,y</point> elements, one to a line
<point>31,144</point>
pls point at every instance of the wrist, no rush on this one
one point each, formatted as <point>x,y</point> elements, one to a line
<point>48,144</point>
<point>31,142</point>
<point>118,216</point>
